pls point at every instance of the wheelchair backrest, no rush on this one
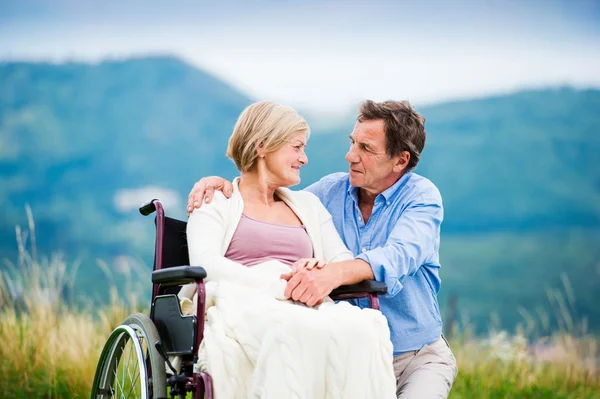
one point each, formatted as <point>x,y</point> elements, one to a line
<point>175,248</point>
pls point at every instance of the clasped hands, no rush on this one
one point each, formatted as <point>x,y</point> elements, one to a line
<point>309,281</point>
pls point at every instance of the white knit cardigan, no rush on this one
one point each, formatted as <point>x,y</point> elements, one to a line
<point>210,230</point>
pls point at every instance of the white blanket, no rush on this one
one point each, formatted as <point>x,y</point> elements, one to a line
<point>257,344</point>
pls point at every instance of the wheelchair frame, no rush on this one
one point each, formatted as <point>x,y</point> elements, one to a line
<point>166,331</point>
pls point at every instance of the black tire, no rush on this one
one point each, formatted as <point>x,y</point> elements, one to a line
<point>130,366</point>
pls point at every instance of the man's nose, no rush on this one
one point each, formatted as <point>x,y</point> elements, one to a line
<point>351,156</point>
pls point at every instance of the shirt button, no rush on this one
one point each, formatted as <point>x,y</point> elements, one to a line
<point>388,202</point>
<point>364,249</point>
<point>359,218</point>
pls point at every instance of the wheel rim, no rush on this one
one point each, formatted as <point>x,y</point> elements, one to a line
<point>124,372</point>
<point>143,341</point>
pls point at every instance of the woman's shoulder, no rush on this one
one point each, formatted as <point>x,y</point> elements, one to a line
<point>218,204</point>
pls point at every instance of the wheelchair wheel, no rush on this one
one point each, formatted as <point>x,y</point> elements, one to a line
<point>130,366</point>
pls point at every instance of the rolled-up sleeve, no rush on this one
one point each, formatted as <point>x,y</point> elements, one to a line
<point>413,240</point>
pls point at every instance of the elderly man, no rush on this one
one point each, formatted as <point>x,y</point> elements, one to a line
<point>389,217</point>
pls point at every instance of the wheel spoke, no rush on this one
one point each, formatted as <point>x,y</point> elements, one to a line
<point>118,385</point>
<point>136,372</point>
<point>127,364</point>
<point>129,347</point>
<point>124,369</point>
<point>133,382</point>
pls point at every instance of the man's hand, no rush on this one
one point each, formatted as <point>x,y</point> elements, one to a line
<point>204,191</point>
<point>311,286</point>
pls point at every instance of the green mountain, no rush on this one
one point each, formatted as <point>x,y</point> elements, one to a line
<point>73,135</point>
<point>84,144</point>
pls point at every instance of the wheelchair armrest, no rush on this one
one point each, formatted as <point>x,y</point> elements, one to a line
<point>366,286</point>
<point>178,275</point>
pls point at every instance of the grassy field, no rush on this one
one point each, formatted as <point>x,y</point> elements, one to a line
<point>49,348</point>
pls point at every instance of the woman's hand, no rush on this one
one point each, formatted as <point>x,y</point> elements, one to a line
<point>304,263</point>
<point>308,263</point>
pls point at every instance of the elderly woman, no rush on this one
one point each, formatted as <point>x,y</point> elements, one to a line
<point>258,343</point>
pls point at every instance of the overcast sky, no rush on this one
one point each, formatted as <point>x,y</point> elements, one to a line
<point>325,56</point>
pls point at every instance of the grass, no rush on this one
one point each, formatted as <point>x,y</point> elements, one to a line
<point>508,367</point>
<point>49,346</point>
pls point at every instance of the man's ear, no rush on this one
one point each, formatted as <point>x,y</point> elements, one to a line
<point>402,161</point>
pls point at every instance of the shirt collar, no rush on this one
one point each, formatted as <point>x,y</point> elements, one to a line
<point>388,194</point>
<point>391,191</point>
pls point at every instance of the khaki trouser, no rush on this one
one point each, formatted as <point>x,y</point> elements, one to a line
<point>425,373</point>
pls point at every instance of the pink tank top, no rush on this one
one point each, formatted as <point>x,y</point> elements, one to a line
<point>255,241</point>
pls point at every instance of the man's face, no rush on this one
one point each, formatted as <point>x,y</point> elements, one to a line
<point>370,167</point>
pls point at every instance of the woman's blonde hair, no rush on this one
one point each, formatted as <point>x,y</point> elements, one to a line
<point>264,123</point>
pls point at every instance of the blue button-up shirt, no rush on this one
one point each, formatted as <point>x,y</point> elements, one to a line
<point>401,242</point>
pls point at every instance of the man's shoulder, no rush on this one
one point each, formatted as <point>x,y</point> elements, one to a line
<point>335,178</point>
<point>331,184</point>
<point>422,187</point>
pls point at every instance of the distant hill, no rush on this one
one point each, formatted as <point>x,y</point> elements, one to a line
<point>519,174</point>
<point>73,135</point>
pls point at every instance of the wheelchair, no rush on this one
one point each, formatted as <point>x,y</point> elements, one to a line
<point>135,358</point>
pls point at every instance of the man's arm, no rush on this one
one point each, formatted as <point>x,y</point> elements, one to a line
<point>204,190</point>
<point>412,241</point>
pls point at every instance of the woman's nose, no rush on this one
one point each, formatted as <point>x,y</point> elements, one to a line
<point>303,158</point>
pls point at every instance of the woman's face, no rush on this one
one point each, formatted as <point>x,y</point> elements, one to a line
<point>283,165</point>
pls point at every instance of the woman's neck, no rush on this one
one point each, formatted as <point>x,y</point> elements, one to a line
<point>255,189</point>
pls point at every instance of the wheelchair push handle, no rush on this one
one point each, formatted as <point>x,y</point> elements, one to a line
<point>149,207</point>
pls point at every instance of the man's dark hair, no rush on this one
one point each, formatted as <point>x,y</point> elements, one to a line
<point>404,127</point>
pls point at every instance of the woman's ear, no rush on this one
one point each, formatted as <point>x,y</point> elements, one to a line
<point>260,150</point>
